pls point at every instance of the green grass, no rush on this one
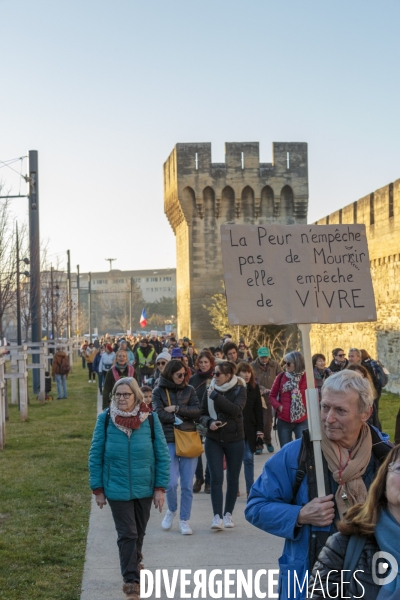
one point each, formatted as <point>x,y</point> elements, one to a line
<point>389,405</point>
<point>45,495</point>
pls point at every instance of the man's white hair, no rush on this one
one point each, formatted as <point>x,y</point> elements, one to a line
<point>356,351</point>
<point>350,381</point>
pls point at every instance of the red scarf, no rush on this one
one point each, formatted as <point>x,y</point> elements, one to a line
<point>132,422</point>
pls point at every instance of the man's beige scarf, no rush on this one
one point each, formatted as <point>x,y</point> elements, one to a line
<point>347,468</point>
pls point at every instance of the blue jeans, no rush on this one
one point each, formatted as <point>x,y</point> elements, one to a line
<point>248,463</point>
<point>183,468</point>
<point>215,452</point>
<point>61,381</point>
<point>285,431</point>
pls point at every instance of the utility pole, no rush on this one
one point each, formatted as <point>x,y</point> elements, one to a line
<point>34,247</point>
<point>90,306</point>
<point>69,298</point>
<point>78,305</point>
<point>52,302</point>
<point>130,305</point>
<point>111,260</point>
<point>19,332</point>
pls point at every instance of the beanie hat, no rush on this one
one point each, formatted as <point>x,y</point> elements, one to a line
<point>263,351</point>
<point>176,353</point>
<point>164,356</point>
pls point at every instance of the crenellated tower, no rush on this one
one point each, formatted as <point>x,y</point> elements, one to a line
<point>200,195</point>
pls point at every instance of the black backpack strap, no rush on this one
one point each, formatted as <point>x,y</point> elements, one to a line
<point>106,422</point>
<point>151,421</point>
<point>379,448</point>
<point>302,463</point>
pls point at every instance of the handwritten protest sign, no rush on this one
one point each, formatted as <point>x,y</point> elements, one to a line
<point>279,274</point>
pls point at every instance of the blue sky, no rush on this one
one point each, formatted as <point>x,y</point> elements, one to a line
<point>105,89</point>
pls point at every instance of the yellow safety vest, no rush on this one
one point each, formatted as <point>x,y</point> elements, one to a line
<point>143,359</point>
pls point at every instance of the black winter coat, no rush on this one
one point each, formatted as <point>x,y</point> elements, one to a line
<point>331,558</point>
<point>336,368</point>
<point>229,408</point>
<point>199,382</point>
<point>185,398</point>
<point>253,416</point>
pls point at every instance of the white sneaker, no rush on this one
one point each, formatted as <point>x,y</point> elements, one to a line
<point>184,527</point>
<point>217,523</point>
<point>228,523</point>
<point>167,520</point>
<point>90,381</point>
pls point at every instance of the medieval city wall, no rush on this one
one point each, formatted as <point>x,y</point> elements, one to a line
<point>200,195</point>
<point>380,212</point>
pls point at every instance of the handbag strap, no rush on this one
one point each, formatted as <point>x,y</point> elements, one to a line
<point>168,398</point>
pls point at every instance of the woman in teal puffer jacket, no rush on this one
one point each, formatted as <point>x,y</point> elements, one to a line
<point>129,466</point>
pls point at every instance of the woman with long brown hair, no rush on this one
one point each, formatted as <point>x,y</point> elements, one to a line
<point>376,525</point>
<point>200,380</point>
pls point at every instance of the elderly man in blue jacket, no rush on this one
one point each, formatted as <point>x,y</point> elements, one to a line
<point>283,501</point>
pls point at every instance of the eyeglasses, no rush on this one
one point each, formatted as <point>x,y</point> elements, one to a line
<point>340,355</point>
<point>394,468</point>
<point>180,375</point>
<point>125,395</point>
<point>217,373</point>
<point>162,363</point>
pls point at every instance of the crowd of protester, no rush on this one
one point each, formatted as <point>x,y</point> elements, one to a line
<point>233,401</point>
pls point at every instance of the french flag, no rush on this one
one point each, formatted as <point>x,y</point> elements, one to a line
<point>143,318</point>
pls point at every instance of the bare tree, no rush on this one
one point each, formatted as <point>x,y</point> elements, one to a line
<point>278,338</point>
<point>8,261</point>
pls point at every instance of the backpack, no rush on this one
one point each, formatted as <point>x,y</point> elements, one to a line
<point>64,368</point>
<point>306,466</point>
<point>381,374</point>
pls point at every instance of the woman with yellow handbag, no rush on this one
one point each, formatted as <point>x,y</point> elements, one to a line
<point>178,408</point>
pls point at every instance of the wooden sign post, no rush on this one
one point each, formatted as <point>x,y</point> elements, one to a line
<point>303,274</point>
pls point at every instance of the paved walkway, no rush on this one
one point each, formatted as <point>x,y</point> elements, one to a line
<point>243,547</point>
